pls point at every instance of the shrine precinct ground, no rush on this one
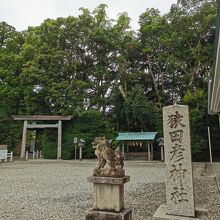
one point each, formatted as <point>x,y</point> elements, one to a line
<point>57,189</point>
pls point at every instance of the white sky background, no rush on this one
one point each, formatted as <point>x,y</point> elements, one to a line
<point>24,13</point>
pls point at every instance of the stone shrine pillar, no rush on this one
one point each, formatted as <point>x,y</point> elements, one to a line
<point>179,180</point>
<point>108,184</point>
<point>179,177</point>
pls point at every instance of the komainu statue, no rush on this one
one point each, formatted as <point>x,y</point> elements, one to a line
<point>110,162</point>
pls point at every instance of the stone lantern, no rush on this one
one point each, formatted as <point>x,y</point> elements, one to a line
<point>160,142</point>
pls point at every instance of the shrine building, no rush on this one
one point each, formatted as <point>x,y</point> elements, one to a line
<point>139,145</point>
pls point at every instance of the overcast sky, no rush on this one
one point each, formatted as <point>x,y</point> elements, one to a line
<point>24,13</point>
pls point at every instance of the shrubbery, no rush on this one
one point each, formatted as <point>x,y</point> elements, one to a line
<point>86,125</point>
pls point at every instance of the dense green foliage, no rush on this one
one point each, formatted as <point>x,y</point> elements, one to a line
<point>109,77</point>
<point>86,126</point>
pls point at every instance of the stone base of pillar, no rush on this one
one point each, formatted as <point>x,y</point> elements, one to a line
<point>160,214</point>
<point>125,214</point>
<point>108,199</point>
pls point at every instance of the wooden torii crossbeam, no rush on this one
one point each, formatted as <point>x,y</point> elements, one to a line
<point>26,126</point>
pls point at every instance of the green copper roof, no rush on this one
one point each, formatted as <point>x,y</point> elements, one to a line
<point>136,136</point>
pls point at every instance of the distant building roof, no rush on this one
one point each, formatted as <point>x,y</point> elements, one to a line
<point>136,136</point>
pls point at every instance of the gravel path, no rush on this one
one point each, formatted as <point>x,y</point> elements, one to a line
<point>58,190</point>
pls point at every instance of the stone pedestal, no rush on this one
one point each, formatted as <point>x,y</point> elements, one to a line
<point>161,214</point>
<point>125,214</point>
<point>108,199</point>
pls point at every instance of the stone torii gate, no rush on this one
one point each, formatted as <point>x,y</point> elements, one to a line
<point>42,126</point>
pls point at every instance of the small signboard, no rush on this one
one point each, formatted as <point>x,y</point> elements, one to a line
<point>3,154</point>
<point>75,140</point>
<point>3,151</point>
